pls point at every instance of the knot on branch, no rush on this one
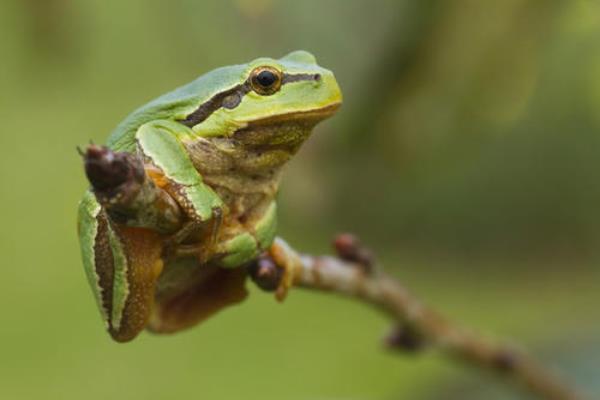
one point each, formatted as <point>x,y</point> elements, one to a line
<point>112,173</point>
<point>403,338</point>
<point>349,248</point>
<point>505,360</point>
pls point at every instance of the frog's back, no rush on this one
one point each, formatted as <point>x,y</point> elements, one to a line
<point>176,104</point>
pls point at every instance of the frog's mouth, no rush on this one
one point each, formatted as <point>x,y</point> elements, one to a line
<point>314,115</point>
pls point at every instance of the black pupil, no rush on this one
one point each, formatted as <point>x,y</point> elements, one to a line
<point>266,78</point>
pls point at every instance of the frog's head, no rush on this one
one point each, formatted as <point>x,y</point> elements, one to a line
<point>271,102</point>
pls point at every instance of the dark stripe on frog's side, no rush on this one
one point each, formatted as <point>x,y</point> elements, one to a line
<point>127,264</point>
<point>104,264</point>
<point>231,98</point>
<point>111,268</point>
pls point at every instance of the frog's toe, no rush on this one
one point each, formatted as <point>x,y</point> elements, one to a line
<point>285,283</point>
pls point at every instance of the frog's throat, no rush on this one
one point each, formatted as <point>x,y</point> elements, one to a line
<point>284,132</point>
<point>232,97</point>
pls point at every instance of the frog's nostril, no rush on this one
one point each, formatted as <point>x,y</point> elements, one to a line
<point>317,77</point>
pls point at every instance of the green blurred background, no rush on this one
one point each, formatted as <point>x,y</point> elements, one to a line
<point>466,156</point>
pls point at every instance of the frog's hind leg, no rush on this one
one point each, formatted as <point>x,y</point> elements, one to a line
<point>122,265</point>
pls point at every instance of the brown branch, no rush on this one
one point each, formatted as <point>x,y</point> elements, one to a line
<point>418,324</point>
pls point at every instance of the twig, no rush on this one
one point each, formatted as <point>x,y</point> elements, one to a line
<point>417,324</point>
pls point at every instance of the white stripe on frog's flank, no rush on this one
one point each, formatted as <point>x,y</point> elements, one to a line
<point>120,282</point>
<point>89,210</point>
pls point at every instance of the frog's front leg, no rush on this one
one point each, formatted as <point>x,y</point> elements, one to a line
<point>160,143</point>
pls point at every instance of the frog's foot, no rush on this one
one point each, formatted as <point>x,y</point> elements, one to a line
<point>274,270</point>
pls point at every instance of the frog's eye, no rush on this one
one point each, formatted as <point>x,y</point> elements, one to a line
<point>265,80</point>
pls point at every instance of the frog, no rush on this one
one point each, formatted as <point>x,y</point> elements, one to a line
<point>214,149</point>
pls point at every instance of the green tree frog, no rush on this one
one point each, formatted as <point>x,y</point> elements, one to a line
<point>214,150</point>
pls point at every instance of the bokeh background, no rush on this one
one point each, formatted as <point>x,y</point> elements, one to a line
<point>466,155</point>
